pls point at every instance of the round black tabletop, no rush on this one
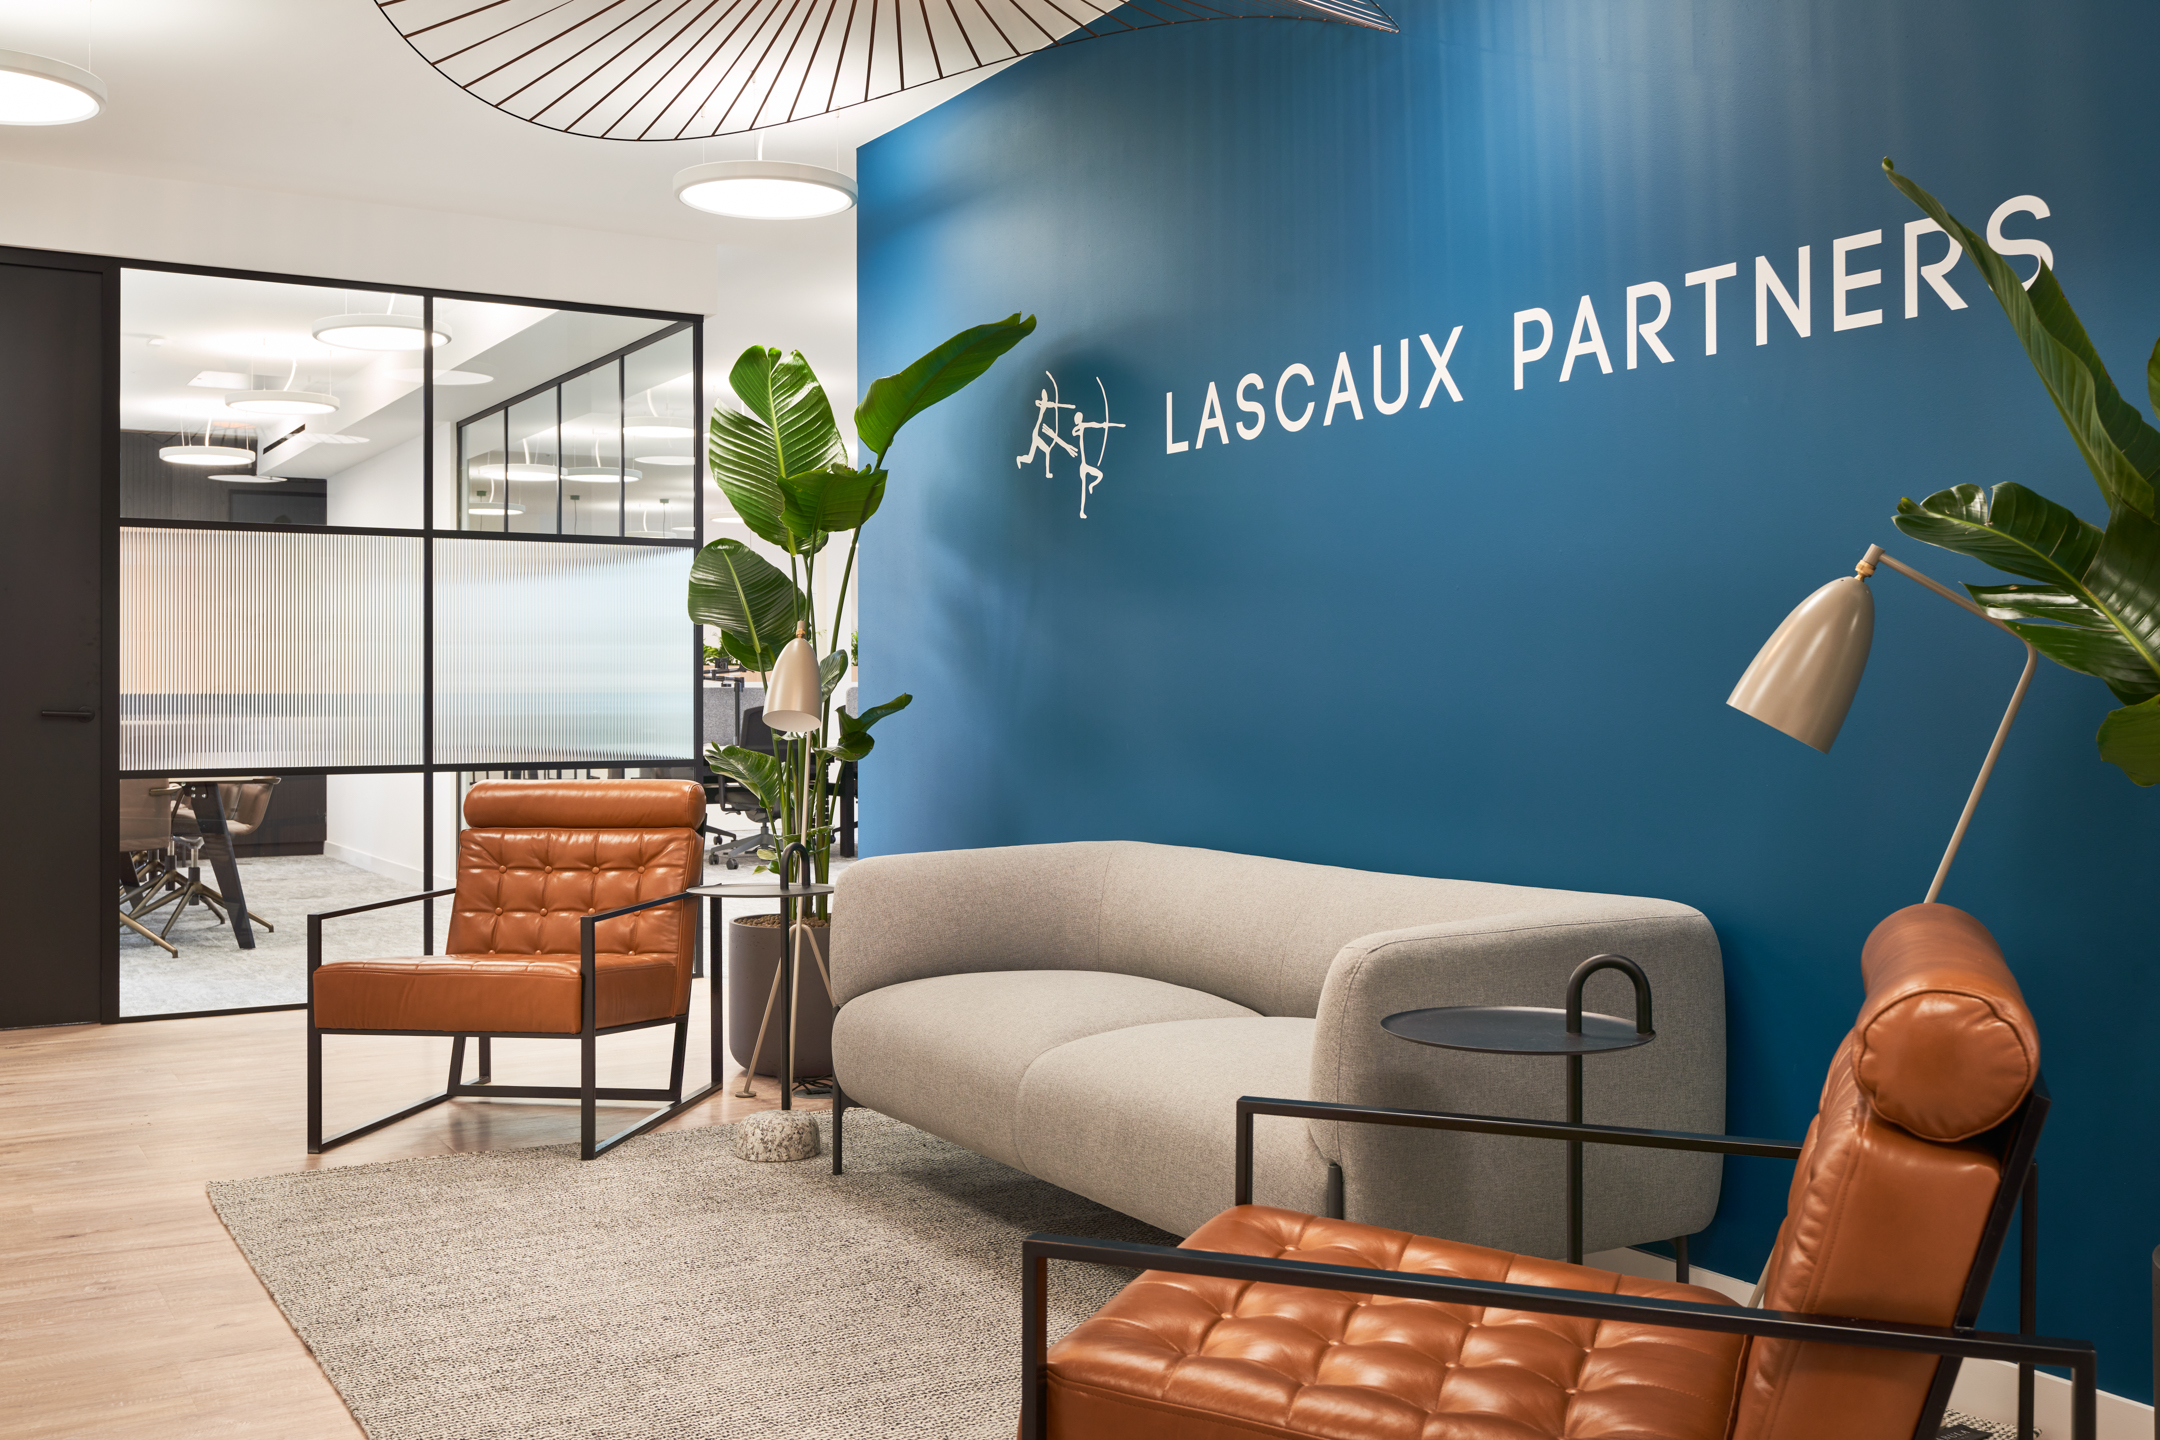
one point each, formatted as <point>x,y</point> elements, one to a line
<point>1514,1030</point>
<point>761,890</point>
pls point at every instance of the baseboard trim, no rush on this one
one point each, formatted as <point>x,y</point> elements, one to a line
<point>1985,1388</point>
<point>408,875</point>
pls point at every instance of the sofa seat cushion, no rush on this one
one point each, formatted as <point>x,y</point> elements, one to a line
<point>948,1053</point>
<point>1193,1357</point>
<point>1144,1119</point>
<point>468,994</point>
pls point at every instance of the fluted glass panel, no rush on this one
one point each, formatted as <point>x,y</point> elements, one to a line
<point>551,652</point>
<point>255,650</point>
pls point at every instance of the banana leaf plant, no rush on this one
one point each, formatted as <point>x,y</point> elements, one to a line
<point>2094,604</point>
<point>784,467</point>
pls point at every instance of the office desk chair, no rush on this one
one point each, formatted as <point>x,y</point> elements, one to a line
<point>146,851</point>
<point>180,885</point>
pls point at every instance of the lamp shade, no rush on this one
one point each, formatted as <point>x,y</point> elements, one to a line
<point>793,696</point>
<point>1802,680</point>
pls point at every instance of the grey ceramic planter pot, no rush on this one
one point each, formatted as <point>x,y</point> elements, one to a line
<point>753,955</point>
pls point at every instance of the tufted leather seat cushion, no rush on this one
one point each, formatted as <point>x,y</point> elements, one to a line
<point>1203,1359</point>
<point>555,852</point>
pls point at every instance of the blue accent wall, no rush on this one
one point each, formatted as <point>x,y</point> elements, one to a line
<point>1493,639</point>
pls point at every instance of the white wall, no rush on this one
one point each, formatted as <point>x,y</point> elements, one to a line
<point>373,821</point>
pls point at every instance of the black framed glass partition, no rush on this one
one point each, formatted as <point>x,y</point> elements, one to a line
<point>374,544</point>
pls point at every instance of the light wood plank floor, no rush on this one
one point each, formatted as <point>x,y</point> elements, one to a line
<point>125,1309</point>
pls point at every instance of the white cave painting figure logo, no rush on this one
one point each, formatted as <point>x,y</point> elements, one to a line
<point>1046,441</point>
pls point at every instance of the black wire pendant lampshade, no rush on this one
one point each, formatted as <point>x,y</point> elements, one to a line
<point>692,69</point>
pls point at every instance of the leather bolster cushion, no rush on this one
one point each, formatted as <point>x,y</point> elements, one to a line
<point>468,994</point>
<point>1947,1048</point>
<point>585,804</point>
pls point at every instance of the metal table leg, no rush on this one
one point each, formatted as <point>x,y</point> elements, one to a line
<point>209,808</point>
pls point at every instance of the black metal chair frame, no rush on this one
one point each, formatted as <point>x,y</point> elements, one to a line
<point>587,1092</point>
<point>2014,1142</point>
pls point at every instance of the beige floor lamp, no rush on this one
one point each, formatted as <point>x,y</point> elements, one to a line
<point>1803,679</point>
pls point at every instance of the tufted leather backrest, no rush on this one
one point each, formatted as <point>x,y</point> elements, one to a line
<point>1894,1185</point>
<point>538,856</point>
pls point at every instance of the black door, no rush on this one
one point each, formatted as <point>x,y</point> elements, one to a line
<point>58,732</point>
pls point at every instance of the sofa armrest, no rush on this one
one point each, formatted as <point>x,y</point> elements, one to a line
<point>1409,1180</point>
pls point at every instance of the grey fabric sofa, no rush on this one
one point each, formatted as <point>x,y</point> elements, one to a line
<point>1090,1012</point>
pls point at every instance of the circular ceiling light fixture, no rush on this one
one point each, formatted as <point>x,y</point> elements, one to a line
<point>282,402</point>
<point>205,455</point>
<point>493,509</point>
<point>662,459</point>
<point>658,432</point>
<point>602,472</point>
<point>249,479</point>
<point>37,91</point>
<point>377,332</point>
<point>764,189</point>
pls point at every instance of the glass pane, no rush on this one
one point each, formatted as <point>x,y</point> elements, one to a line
<point>483,454</point>
<point>560,652</point>
<point>255,649</point>
<point>533,472</point>
<point>660,433</point>
<point>593,472</point>
<point>266,403</point>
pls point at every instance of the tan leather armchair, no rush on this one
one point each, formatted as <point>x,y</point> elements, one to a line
<point>569,922</point>
<point>1267,1322</point>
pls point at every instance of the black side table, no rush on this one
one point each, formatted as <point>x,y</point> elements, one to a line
<point>1539,1030</point>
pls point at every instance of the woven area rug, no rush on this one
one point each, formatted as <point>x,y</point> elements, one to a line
<point>669,1289</point>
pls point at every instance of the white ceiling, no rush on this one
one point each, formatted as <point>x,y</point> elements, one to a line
<point>323,97</point>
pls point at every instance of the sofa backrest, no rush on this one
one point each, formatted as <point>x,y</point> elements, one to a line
<point>1896,1183</point>
<point>1256,931</point>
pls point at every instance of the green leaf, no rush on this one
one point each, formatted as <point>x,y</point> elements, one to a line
<point>749,656</point>
<point>2130,738</point>
<point>855,741</point>
<point>762,773</point>
<point>2152,378</point>
<point>2019,531</point>
<point>831,669</point>
<point>2124,581</point>
<point>896,399</point>
<point>2037,602</point>
<point>2120,449</point>
<point>745,596</point>
<point>837,498</point>
<point>2100,653</point>
<point>785,428</point>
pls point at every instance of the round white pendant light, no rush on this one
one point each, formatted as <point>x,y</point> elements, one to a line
<point>494,509</point>
<point>37,91</point>
<point>658,432</point>
<point>764,189</point>
<point>600,472</point>
<point>282,402</point>
<point>249,479</point>
<point>205,455</point>
<point>376,332</point>
<point>663,459</point>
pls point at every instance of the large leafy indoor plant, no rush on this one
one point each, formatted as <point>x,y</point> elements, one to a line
<point>784,467</point>
<point>2095,606</point>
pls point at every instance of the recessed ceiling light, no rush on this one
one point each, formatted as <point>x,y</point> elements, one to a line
<point>443,377</point>
<point>206,455</point>
<point>282,402</point>
<point>35,90</point>
<point>602,472</point>
<point>658,432</point>
<point>764,190</point>
<point>376,332</point>
<point>664,459</point>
